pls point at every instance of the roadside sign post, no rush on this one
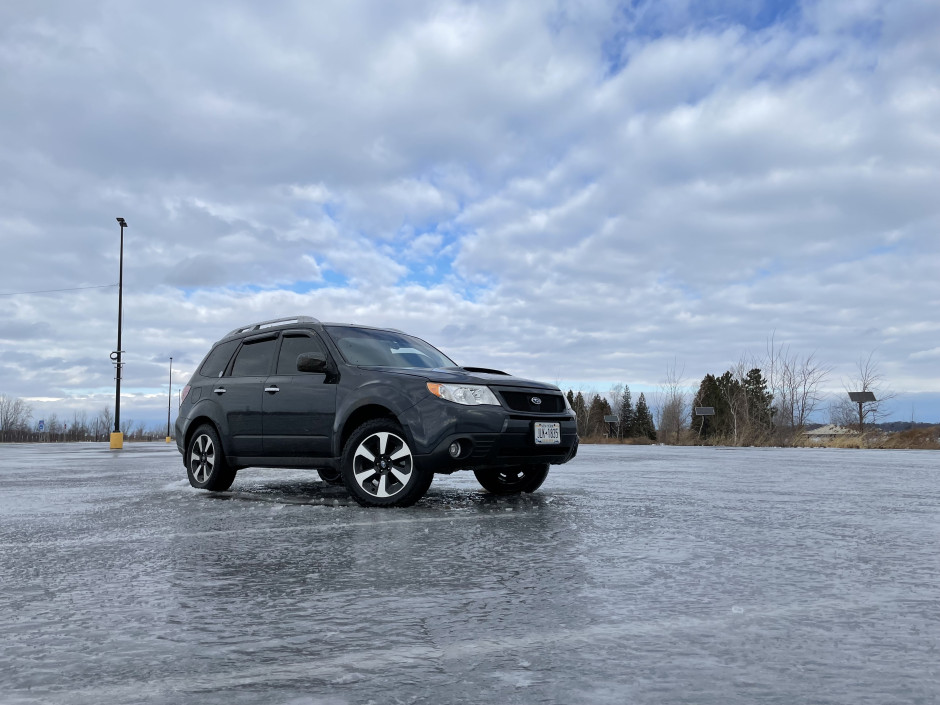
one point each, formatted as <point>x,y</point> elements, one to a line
<point>703,411</point>
<point>611,421</point>
<point>861,398</point>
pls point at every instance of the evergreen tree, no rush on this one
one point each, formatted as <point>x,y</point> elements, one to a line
<point>743,407</point>
<point>760,402</point>
<point>709,394</point>
<point>733,410</point>
<point>643,420</point>
<point>625,412</point>
<point>599,408</point>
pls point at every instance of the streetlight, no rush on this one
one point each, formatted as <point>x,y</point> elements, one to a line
<point>117,438</point>
<point>169,401</point>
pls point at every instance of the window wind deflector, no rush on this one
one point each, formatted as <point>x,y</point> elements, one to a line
<point>259,337</point>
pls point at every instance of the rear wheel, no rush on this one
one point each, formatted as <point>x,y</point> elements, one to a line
<point>513,480</point>
<point>379,469</point>
<point>206,466</point>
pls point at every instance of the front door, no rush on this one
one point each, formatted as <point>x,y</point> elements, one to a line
<point>299,407</point>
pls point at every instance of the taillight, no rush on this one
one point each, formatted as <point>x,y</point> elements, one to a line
<point>183,394</point>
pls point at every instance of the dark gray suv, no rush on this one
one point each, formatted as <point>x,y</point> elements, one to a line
<point>373,409</point>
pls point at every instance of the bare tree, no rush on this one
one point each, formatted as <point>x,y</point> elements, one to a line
<point>53,427</point>
<point>615,395</point>
<point>731,386</point>
<point>867,378</point>
<point>14,416</point>
<point>673,404</point>
<point>78,430</point>
<point>796,383</point>
<point>105,421</point>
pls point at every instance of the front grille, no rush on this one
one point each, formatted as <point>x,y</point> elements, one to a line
<point>551,403</point>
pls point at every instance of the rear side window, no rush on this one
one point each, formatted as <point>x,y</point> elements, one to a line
<point>291,347</point>
<point>217,360</point>
<point>254,358</point>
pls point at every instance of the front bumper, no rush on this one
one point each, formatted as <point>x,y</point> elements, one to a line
<point>489,437</point>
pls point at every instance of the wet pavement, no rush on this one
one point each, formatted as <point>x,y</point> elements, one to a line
<point>635,575</point>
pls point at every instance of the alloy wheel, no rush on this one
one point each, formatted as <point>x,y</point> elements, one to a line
<point>202,458</point>
<point>382,464</point>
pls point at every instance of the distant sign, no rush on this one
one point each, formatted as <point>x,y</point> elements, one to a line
<point>704,410</point>
<point>42,425</point>
<point>611,419</point>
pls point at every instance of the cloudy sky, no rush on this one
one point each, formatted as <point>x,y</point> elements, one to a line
<point>583,192</point>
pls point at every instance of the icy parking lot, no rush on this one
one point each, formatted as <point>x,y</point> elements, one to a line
<point>635,575</point>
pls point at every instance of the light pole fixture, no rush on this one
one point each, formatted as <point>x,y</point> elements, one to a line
<point>169,401</point>
<point>117,438</point>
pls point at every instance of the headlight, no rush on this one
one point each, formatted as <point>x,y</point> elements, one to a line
<point>467,394</point>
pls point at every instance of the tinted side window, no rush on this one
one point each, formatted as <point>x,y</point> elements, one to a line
<point>291,347</point>
<point>217,360</point>
<point>254,359</point>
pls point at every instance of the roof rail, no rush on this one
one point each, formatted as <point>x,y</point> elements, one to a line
<point>270,324</point>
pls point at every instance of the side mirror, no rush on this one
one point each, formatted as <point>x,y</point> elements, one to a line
<point>311,362</point>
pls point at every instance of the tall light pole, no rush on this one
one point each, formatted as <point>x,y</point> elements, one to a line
<point>117,438</point>
<point>169,401</point>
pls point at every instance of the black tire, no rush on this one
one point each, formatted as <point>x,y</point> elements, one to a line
<point>330,476</point>
<point>378,467</point>
<point>206,465</point>
<point>513,480</point>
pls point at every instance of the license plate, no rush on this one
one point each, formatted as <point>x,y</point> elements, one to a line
<point>547,433</point>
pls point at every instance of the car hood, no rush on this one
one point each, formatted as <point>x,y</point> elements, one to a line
<point>468,375</point>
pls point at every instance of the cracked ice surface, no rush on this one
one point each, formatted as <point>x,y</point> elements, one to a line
<point>636,574</point>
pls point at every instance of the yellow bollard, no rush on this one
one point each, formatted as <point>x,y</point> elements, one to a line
<point>117,441</point>
<point>168,439</point>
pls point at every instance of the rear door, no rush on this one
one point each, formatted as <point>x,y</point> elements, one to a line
<point>299,406</point>
<point>240,394</point>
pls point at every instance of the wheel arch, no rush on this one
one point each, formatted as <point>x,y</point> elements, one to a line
<point>359,416</point>
<point>193,426</point>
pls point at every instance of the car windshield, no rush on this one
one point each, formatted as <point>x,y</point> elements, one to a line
<point>385,348</point>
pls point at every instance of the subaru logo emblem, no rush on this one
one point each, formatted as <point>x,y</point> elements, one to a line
<point>535,400</point>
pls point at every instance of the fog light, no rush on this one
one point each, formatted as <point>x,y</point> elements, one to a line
<point>454,450</point>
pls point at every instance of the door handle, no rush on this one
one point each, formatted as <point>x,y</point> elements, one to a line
<point>220,390</point>
<point>272,390</point>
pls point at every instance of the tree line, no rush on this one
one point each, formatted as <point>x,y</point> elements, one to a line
<point>18,425</point>
<point>633,422</point>
<point>761,400</point>
<point>768,400</point>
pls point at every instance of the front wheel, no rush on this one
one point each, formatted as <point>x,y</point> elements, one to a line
<point>379,469</point>
<point>205,462</point>
<point>513,480</point>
